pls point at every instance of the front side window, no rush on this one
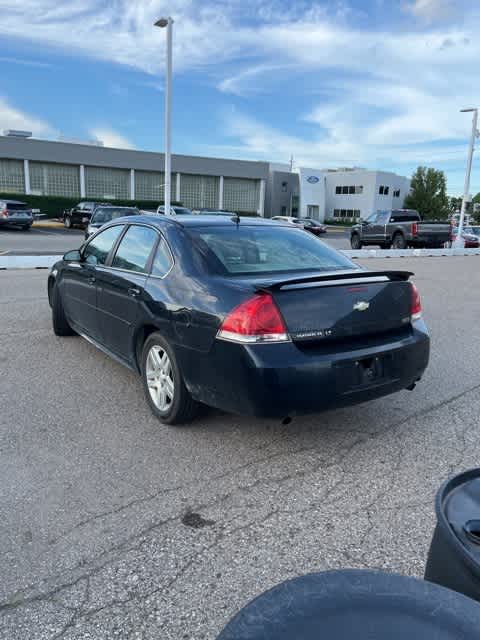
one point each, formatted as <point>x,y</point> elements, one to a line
<point>248,250</point>
<point>97,250</point>
<point>135,248</point>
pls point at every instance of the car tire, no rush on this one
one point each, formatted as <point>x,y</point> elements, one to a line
<point>355,242</point>
<point>171,401</point>
<point>67,222</point>
<point>61,327</point>
<point>399,241</point>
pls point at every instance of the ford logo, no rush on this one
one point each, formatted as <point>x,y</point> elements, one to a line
<point>313,179</point>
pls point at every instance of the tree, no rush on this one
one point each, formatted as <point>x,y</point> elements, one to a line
<point>455,203</point>
<point>428,193</point>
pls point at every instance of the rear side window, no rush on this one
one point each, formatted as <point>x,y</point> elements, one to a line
<point>135,248</point>
<point>249,250</point>
<point>97,250</point>
<point>162,262</point>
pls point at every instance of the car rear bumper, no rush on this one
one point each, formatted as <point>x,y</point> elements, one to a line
<point>19,221</point>
<point>278,380</point>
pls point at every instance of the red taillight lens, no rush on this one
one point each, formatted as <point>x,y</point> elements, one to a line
<point>255,320</point>
<point>4,212</point>
<point>416,309</point>
<point>414,228</point>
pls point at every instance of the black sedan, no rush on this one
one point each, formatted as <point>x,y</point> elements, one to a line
<point>244,314</point>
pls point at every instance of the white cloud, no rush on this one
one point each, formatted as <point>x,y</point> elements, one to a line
<point>111,138</point>
<point>12,118</point>
<point>431,10</point>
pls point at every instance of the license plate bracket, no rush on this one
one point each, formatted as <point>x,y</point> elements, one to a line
<point>364,372</point>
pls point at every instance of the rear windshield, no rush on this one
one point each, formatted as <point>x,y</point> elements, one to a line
<point>249,250</point>
<point>105,214</point>
<point>405,216</point>
<point>17,206</point>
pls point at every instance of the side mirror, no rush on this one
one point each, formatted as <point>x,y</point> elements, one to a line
<point>73,256</point>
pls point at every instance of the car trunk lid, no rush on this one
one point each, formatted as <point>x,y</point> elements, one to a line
<point>341,306</point>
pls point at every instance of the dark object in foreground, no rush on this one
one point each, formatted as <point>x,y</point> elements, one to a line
<point>365,605</point>
<point>242,314</point>
<point>454,557</point>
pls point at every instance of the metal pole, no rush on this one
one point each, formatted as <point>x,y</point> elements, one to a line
<point>459,242</point>
<point>168,118</point>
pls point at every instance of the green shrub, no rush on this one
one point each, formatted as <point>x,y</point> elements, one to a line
<point>54,206</point>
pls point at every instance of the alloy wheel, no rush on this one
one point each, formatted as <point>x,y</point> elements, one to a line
<point>160,382</point>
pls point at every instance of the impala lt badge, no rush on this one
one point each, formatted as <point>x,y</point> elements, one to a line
<point>361,306</point>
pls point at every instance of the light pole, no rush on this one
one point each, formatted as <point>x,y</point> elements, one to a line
<point>459,242</point>
<point>168,23</point>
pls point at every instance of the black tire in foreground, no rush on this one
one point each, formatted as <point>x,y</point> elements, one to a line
<point>365,605</point>
<point>163,383</point>
<point>355,242</point>
<point>60,323</point>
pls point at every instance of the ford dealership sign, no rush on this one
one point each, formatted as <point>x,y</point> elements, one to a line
<point>313,179</point>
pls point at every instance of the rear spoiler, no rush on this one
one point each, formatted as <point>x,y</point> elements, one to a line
<point>393,276</point>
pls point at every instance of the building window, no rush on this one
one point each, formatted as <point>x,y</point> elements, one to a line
<point>396,193</point>
<point>359,189</point>
<point>284,211</point>
<point>149,185</point>
<point>338,190</point>
<point>351,189</point>
<point>344,189</point>
<point>12,178</point>
<point>284,186</point>
<point>241,194</point>
<point>383,190</point>
<point>103,182</point>
<point>336,213</point>
<point>199,192</point>
<point>349,214</point>
<point>50,179</point>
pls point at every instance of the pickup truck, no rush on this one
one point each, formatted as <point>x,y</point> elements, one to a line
<point>400,229</point>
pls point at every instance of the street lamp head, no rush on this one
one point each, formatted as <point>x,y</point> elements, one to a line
<point>162,22</point>
<point>467,110</point>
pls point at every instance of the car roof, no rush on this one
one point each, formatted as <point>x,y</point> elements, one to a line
<point>199,221</point>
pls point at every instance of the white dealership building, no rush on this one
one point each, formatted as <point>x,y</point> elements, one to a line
<point>344,193</point>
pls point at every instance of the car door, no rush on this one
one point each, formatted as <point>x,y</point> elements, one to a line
<point>122,288</point>
<point>79,282</point>
<point>376,228</point>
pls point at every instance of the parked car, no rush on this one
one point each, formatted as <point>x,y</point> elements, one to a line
<point>471,240</point>
<point>107,213</point>
<point>175,210</point>
<point>80,214</point>
<point>16,213</point>
<point>253,317</point>
<point>399,228</point>
<point>309,224</point>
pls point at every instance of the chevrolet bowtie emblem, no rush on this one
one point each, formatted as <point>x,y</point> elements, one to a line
<point>361,306</point>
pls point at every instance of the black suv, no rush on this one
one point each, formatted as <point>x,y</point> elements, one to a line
<point>80,214</point>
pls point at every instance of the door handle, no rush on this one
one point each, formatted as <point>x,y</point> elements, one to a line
<point>92,280</point>
<point>134,292</point>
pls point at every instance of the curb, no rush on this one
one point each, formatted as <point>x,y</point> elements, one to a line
<point>48,225</point>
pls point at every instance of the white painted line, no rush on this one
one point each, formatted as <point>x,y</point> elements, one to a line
<point>28,262</point>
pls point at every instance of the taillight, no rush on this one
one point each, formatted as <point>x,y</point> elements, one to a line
<point>255,320</point>
<point>4,212</point>
<point>414,228</point>
<point>416,304</point>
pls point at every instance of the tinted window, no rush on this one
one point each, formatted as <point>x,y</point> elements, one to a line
<point>248,250</point>
<point>105,214</point>
<point>17,206</point>
<point>135,249</point>
<point>97,250</point>
<point>163,259</point>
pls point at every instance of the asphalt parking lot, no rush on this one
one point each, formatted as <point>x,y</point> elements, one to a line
<point>114,526</point>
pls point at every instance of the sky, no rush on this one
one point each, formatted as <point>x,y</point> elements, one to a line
<point>371,83</point>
